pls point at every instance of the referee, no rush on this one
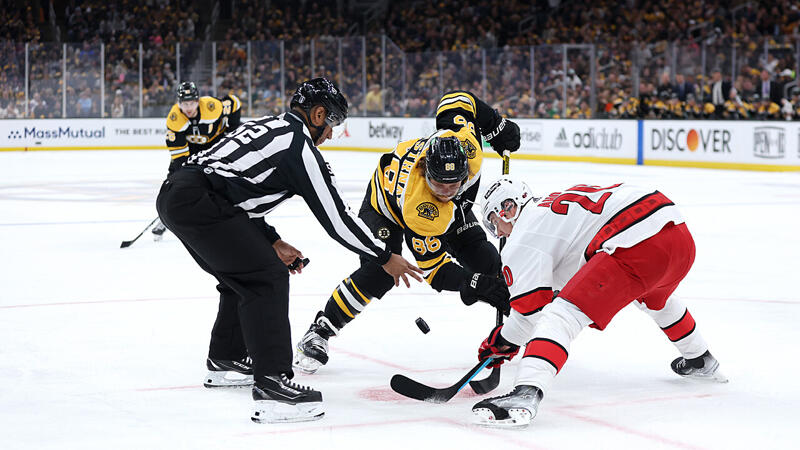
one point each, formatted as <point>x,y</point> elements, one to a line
<point>216,203</point>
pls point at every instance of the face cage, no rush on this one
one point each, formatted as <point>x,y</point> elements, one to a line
<point>503,214</point>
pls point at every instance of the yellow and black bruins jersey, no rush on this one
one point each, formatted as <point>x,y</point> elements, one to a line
<point>187,136</point>
<point>398,189</point>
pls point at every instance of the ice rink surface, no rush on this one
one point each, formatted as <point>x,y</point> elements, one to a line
<point>104,348</point>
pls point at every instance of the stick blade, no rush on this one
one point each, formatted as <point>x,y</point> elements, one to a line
<point>412,389</point>
<point>125,244</point>
<point>488,384</point>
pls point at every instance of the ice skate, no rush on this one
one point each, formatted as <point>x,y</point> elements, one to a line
<point>228,373</point>
<point>158,231</point>
<point>312,350</point>
<point>704,367</point>
<point>513,410</point>
<point>278,400</point>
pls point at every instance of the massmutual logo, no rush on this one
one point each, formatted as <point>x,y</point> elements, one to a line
<point>593,139</point>
<point>57,133</point>
<point>769,142</point>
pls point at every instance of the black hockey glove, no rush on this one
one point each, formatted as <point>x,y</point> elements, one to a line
<point>485,288</point>
<point>504,137</point>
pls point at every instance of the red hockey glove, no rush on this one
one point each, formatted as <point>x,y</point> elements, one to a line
<point>496,347</point>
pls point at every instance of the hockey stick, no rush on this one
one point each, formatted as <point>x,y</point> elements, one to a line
<point>413,389</point>
<point>126,244</point>
<point>489,383</point>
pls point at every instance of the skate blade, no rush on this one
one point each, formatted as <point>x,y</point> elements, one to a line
<point>716,377</point>
<point>272,411</point>
<point>227,379</point>
<point>305,364</point>
<point>517,418</point>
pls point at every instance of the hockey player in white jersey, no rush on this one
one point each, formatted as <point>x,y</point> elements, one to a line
<point>574,259</point>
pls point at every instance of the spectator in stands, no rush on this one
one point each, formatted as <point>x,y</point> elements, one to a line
<point>118,107</point>
<point>682,87</point>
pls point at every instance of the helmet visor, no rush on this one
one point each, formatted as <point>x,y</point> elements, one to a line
<point>493,215</point>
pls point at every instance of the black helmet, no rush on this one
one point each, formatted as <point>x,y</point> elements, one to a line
<point>187,91</point>
<point>321,91</point>
<point>445,160</point>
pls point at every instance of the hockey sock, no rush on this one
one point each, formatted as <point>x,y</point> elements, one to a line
<point>345,303</point>
<point>678,324</point>
<point>559,323</point>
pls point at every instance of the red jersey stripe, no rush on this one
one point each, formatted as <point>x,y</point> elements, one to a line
<point>532,301</point>
<point>629,216</point>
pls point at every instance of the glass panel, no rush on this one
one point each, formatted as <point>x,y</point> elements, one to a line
<point>548,78</point>
<point>83,80</point>
<point>579,83</point>
<point>394,82</point>
<point>196,63</point>
<point>297,61</point>
<point>231,76</point>
<point>616,80</point>
<point>159,79</point>
<point>12,80</point>
<point>463,70</point>
<point>423,84</point>
<point>266,65</point>
<point>508,81</point>
<point>46,78</point>
<point>122,80</point>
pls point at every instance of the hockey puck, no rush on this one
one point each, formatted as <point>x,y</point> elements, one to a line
<point>422,325</point>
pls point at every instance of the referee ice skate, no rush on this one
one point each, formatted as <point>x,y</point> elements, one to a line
<point>216,204</point>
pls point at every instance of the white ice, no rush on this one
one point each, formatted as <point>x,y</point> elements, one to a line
<point>104,348</point>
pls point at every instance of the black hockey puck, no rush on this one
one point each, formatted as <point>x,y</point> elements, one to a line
<point>422,325</point>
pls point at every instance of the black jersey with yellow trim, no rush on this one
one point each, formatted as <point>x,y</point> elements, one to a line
<point>187,136</point>
<point>398,189</point>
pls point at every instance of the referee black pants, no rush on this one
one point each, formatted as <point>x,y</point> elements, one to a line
<point>253,281</point>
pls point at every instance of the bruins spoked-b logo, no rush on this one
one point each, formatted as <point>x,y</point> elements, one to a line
<point>428,211</point>
<point>383,233</point>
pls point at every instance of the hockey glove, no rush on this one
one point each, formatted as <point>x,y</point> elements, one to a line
<point>496,347</point>
<point>485,288</point>
<point>504,137</point>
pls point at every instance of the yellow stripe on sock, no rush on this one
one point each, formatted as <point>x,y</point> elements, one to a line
<point>364,297</point>
<point>340,302</point>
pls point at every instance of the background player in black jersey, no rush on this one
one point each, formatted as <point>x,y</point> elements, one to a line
<point>196,123</point>
<point>422,192</point>
<point>216,205</point>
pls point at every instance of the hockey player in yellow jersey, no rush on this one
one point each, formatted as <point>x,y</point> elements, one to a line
<point>196,123</point>
<point>422,193</point>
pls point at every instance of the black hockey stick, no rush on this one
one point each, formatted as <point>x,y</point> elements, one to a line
<point>413,389</point>
<point>493,380</point>
<point>126,244</point>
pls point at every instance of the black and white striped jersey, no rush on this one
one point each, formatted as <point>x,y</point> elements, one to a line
<point>267,161</point>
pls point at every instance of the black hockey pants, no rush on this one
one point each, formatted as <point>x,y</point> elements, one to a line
<point>253,281</point>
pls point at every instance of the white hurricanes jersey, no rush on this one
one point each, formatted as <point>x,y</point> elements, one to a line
<point>553,238</point>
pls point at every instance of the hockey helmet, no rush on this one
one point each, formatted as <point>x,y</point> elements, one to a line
<point>321,91</point>
<point>501,198</point>
<point>445,160</point>
<point>187,91</point>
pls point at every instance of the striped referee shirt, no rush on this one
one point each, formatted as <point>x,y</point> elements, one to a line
<point>267,161</point>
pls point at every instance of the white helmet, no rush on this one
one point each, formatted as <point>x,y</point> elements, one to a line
<point>500,198</point>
